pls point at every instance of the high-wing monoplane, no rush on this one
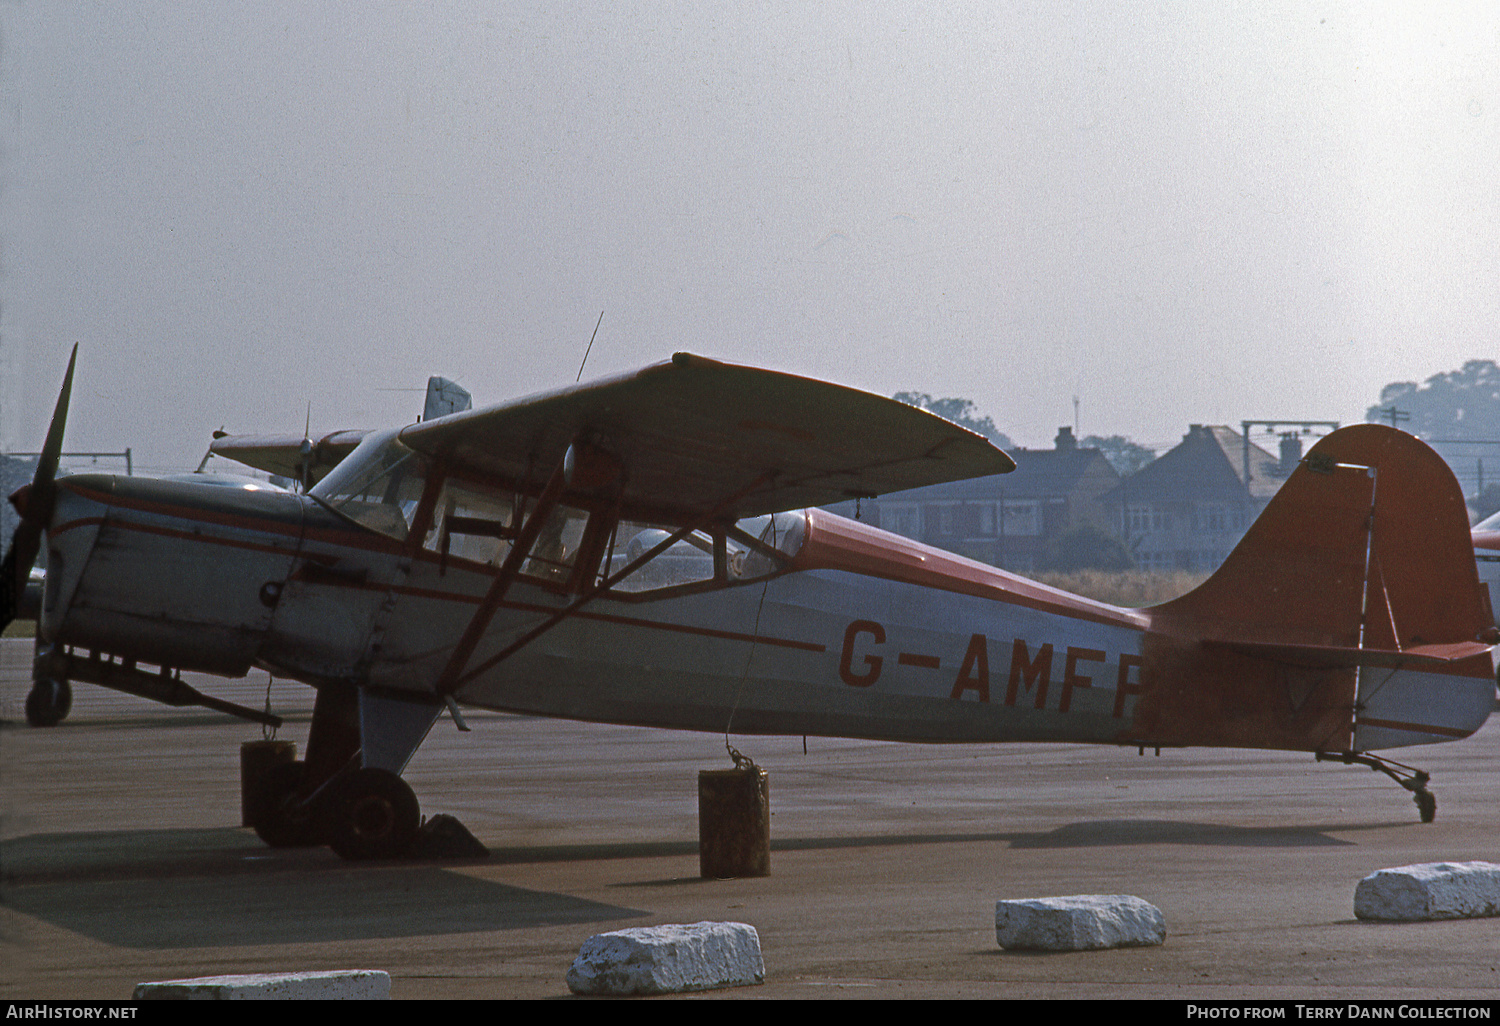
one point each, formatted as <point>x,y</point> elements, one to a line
<point>647,549</point>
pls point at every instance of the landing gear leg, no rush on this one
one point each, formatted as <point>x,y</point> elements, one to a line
<point>291,812</point>
<point>51,696</point>
<point>284,820</point>
<point>48,702</point>
<point>349,793</point>
<point>1409,777</point>
<point>373,814</point>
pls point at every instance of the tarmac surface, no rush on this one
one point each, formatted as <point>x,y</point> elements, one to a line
<point>122,861</point>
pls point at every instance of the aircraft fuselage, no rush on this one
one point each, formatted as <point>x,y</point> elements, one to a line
<point>820,626</point>
<point>219,580</point>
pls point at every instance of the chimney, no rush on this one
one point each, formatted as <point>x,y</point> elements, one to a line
<point>1291,452</point>
<point>1065,442</point>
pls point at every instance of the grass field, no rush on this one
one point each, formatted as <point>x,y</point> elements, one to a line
<point>1124,587</point>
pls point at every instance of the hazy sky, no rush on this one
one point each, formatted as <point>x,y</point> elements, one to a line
<point>1176,212</point>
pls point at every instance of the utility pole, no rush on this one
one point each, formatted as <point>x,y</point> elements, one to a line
<point>126,456</point>
<point>1479,460</point>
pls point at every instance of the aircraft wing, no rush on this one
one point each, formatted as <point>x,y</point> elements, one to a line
<point>694,434</point>
<point>282,454</point>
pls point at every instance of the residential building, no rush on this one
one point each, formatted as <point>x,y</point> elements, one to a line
<point>1190,507</point>
<point>1005,520</point>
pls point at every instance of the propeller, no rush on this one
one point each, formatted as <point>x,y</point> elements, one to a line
<point>35,503</point>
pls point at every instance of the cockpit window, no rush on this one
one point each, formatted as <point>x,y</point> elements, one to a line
<point>687,561</point>
<point>780,536</point>
<point>473,523</point>
<point>557,548</point>
<point>378,485</point>
<point>749,550</point>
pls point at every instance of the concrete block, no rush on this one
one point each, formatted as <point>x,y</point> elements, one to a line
<point>668,960</point>
<point>1430,890</point>
<point>336,985</point>
<point>1079,922</point>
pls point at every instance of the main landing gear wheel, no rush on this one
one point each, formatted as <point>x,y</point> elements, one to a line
<point>282,821</point>
<point>48,702</point>
<point>373,815</point>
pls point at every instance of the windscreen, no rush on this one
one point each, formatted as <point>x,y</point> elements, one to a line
<point>378,485</point>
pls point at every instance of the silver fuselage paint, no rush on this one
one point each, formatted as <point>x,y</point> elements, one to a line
<point>779,657</point>
<point>166,572</point>
<point>200,578</point>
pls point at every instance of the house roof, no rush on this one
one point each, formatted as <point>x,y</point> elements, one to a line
<point>1039,473</point>
<point>1208,465</point>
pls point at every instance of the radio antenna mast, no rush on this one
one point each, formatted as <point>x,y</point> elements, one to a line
<point>590,348</point>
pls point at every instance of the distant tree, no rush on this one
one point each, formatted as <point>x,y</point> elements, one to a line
<point>1085,547</point>
<point>1124,455</point>
<point>1457,404</point>
<point>960,412</point>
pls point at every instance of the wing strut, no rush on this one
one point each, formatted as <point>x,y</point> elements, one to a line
<point>448,680</point>
<point>457,671</point>
<point>604,585</point>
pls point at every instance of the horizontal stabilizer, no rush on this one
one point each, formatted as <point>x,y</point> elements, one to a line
<point>1335,657</point>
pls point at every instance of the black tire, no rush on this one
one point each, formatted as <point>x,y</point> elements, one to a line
<point>1426,805</point>
<point>283,822</point>
<point>373,815</point>
<point>48,702</point>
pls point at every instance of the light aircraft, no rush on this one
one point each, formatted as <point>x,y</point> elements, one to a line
<point>645,549</point>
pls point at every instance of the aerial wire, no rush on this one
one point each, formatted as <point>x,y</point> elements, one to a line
<point>742,761</point>
<point>267,729</point>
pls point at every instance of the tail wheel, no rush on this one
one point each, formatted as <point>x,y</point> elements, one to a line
<point>1426,805</point>
<point>48,702</point>
<point>375,815</point>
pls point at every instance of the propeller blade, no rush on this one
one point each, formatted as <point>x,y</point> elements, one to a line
<point>36,513</point>
<point>39,504</point>
<point>16,569</point>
